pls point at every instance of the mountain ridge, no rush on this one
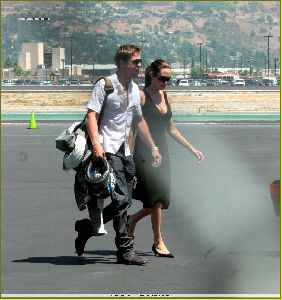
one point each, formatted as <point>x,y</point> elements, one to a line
<point>231,32</point>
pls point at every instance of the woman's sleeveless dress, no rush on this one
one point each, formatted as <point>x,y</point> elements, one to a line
<point>153,184</point>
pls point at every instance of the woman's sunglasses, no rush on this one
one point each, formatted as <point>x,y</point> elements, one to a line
<point>164,79</point>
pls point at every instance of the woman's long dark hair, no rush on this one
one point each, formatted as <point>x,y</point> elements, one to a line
<point>155,67</point>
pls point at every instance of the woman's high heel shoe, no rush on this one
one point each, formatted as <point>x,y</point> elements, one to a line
<point>157,253</point>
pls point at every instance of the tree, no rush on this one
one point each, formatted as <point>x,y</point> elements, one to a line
<point>243,73</point>
<point>18,71</point>
<point>196,71</point>
<point>7,62</point>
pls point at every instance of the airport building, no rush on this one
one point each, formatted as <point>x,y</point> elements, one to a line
<point>58,58</point>
<point>33,56</point>
<point>24,60</point>
<point>36,54</point>
<point>48,60</point>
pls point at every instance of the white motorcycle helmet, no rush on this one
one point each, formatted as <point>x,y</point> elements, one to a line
<point>73,159</point>
<point>100,177</point>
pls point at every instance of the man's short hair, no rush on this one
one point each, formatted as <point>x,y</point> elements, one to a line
<point>125,52</point>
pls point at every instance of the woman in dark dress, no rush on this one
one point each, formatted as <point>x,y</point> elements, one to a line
<point>153,180</point>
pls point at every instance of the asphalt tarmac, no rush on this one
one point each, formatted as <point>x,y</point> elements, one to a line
<point>221,224</point>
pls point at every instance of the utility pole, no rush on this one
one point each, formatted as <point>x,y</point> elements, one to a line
<point>143,41</point>
<point>93,62</point>
<point>250,62</point>
<point>71,55</point>
<point>200,44</point>
<point>275,61</point>
<point>63,73</point>
<point>70,37</point>
<point>184,65</point>
<point>206,61</point>
<point>95,56</point>
<point>268,36</point>
<point>46,72</point>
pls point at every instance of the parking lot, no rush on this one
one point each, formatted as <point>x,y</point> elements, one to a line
<point>224,81</point>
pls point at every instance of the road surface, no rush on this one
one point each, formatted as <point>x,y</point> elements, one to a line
<point>221,225</point>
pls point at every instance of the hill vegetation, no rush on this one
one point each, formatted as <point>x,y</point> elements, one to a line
<point>230,32</point>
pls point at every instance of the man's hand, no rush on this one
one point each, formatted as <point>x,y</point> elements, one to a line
<point>98,152</point>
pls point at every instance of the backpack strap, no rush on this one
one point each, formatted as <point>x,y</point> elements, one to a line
<point>108,88</point>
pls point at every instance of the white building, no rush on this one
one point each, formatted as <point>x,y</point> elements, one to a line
<point>58,58</point>
<point>24,60</point>
<point>36,53</point>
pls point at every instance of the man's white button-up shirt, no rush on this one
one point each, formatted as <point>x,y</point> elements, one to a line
<point>119,111</point>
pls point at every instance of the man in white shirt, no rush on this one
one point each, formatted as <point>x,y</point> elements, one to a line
<point>111,141</point>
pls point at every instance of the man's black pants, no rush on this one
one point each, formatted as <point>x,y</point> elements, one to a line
<point>124,169</point>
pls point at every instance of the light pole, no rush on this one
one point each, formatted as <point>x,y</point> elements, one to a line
<point>241,62</point>
<point>250,61</point>
<point>70,37</point>
<point>98,49</point>
<point>93,61</point>
<point>63,73</point>
<point>143,41</point>
<point>275,61</point>
<point>206,61</point>
<point>268,36</point>
<point>184,65</point>
<point>200,44</point>
<point>46,72</point>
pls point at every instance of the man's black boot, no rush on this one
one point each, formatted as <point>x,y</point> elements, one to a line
<point>85,231</point>
<point>132,260</point>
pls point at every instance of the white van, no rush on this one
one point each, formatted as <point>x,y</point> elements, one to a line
<point>183,82</point>
<point>269,81</point>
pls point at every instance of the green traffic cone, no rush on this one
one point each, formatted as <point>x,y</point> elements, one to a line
<point>32,123</point>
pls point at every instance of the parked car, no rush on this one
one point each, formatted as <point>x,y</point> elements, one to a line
<point>211,82</point>
<point>171,82</point>
<point>269,81</point>
<point>46,82</point>
<point>75,82</point>
<point>8,82</point>
<point>86,82</point>
<point>63,82</point>
<point>239,82</point>
<point>21,82</point>
<point>224,83</point>
<point>252,82</point>
<point>203,82</point>
<point>196,83</point>
<point>34,82</point>
<point>183,82</point>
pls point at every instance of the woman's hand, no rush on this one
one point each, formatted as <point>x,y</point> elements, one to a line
<point>157,158</point>
<point>198,154</point>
